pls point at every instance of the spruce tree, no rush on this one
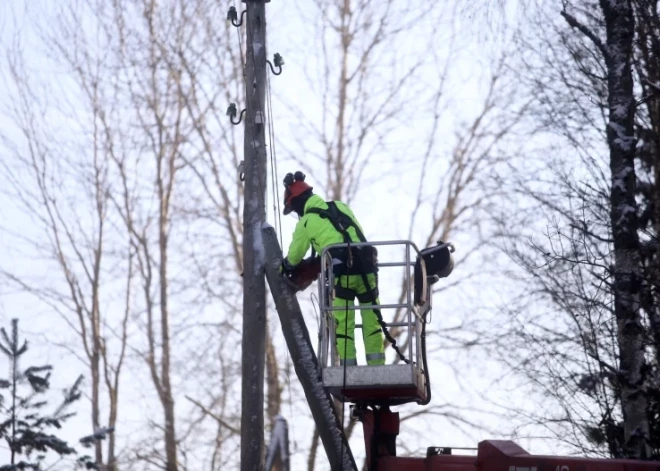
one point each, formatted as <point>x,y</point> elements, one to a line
<point>26,422</point>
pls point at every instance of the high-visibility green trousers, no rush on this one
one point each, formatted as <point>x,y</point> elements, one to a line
<point>345,319</point>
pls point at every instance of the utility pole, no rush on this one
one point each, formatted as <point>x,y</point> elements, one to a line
<point>254,215</point>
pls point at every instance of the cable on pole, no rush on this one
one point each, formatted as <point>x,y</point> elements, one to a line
<point>273,155</point>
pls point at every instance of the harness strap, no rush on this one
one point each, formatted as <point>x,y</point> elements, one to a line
<point>344,293</point>
<point>350,294</point>
<point>369,296</point>
<point>339,220</point>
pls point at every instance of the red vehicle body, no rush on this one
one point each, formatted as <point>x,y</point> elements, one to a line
<point>381,427</point>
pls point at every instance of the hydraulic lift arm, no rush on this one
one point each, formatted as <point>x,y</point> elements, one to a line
<point>304,359</point>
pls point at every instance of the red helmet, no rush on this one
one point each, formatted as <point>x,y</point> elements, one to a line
<point>295,186</point>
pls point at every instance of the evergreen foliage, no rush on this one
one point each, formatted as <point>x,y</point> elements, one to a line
<point>27,424</point>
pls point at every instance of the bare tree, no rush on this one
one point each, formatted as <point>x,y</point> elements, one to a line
<point>360,101</point>
<point>159,107</point>
<point>592,266</point>
<point>64,187</point>
<point>148,75</point>
<point>359,44</point>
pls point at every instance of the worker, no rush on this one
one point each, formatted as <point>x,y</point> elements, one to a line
<point>322,224</point>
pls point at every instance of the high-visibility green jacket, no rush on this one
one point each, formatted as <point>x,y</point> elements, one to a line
<point>313,230</point>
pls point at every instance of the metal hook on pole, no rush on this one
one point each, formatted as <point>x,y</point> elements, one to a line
<point>232,112</point>
<point>232,15</point>
<point>279,62</point>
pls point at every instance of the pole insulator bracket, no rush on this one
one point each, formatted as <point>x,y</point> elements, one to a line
<point>241,174</point>
<point>279,62</point>
<point>232,16</point>
<point>232,112</point>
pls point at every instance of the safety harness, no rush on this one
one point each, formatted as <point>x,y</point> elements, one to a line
<point>356,260</point>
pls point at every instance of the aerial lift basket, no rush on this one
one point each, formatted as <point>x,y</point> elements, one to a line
<point>389,384</point>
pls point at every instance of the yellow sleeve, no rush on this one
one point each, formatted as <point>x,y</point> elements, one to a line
<point>299,244</point>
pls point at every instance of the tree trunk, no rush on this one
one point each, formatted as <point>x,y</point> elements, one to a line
<point>96,423</point>
<point>112,463</point>
<point>311,459</point>
<point>648,68</point>
<point>166,398</point>
<point>96,360</point>
<point>619,22</point>
<point>336,185</point>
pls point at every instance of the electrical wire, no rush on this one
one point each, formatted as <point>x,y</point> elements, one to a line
<point>273,156</point>
<point>240,48</point>
<point>425,365</point>
<point>312,296</point>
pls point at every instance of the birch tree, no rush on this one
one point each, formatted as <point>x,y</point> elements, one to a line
<point>591,265</point>
<point>619,28</point>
